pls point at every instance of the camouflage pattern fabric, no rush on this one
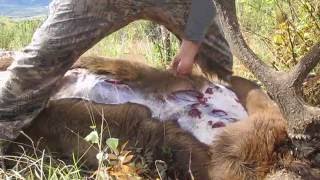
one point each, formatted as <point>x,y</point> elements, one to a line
<point>74,26</point>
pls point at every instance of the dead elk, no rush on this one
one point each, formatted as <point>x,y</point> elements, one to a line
<point>248,149</point>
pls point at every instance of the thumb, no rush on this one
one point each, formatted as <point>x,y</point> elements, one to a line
<point>175,63</point>
<point>181,70</point>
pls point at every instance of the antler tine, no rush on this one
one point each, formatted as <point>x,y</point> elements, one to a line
<point>283,87</point>
<point>305,65</point>
<point>227,11</point>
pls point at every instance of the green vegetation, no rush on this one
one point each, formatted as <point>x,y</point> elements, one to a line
<point>140,40</point>
<point>14,35</point>
<point>280,32</point>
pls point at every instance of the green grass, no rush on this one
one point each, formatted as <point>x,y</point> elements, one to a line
<point>14,35</point>
<point>137,41</point>
<point>114,160</point>
<point>43,167</point>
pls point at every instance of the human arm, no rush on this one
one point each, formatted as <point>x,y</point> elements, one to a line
<point>200,17</point>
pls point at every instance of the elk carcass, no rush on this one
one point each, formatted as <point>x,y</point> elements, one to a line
<point>213,132</point>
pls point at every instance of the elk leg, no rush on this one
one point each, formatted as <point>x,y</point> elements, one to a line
<point>122,70</point>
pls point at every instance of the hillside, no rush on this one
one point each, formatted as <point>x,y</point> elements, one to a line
<point>25,2</point>
<point>23,8</point>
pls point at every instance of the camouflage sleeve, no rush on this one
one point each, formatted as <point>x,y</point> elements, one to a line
<point>72,27</point>
<point>202,13</point>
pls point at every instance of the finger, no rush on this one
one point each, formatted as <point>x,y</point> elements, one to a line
<point>184,69</point>
<point>181,70</point>
<point>171,70</point>
<point>175,63</point>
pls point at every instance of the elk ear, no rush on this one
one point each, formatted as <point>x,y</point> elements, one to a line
<point>251,96</point>
<point>5,62</point>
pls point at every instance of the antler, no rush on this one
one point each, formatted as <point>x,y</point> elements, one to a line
<point>284,88</point>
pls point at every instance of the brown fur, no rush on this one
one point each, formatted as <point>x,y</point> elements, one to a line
<point>5,62</point>
<point>248,149</point>
<point>64,123</point>
<point>252,96</point>
<point>138,75</point>
<point>245,150</point>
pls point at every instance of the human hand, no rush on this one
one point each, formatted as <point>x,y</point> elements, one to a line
<point>183,62</point>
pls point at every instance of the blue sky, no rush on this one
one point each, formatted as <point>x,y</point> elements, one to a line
<point>23,8</point>
<point>25,2</point>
